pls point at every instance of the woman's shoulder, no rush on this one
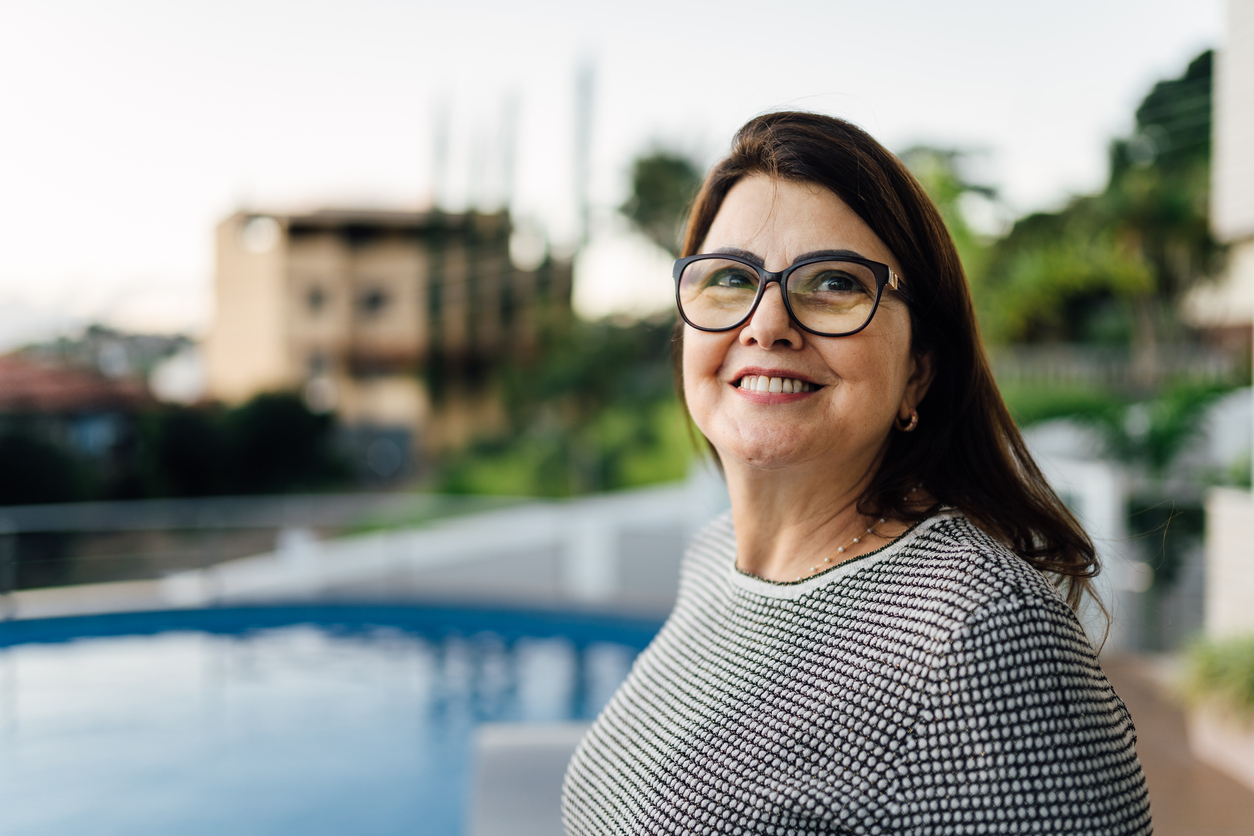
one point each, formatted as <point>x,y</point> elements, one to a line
<point>966,572</point>
<point>952,544</point>
<point>712,550</point>
<point>718,534</point>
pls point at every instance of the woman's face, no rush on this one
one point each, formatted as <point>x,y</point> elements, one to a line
<point>859,383</point>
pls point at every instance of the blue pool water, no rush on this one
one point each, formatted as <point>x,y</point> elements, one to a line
<point>285,720</point>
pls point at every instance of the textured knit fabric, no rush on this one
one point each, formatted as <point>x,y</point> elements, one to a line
<point>937,686</point>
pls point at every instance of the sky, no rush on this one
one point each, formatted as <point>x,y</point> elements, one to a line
<point>131,127</point>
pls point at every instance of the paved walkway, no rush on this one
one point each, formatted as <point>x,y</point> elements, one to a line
<point>1188,797</point>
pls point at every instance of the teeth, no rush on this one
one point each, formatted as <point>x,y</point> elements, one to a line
<point>781,385</point>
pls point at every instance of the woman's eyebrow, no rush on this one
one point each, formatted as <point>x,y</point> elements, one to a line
<point>752,258</point>
<point>828,254</point>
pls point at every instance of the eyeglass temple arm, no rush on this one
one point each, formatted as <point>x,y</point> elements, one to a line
<point>894,281</point>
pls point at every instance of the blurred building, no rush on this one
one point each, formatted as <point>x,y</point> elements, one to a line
<point>1228,306</point>
<point>167,364</point>
<point>1230,513</point>
<point>394,320</point>
<point>77,409</point>
<point>115,354</point>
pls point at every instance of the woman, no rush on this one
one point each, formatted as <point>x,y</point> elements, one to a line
<point>880,637</point>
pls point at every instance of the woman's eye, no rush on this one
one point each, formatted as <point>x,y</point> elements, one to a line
<point>837,283</point>
<point>731,278</point>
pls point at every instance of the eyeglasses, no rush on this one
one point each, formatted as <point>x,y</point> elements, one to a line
<point>827,297</point>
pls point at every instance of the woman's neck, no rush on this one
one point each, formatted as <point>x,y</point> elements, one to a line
<point>791,522</point>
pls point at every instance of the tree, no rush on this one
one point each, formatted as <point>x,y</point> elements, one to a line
<point>1112,267</point>
<point>190,451</point>
<point>943,175</point>
<point>663,184</point>
<point>1159,189</point>
<point>34,471</point>
<point>1064,277</point>
<point>276,444</point>
<point>596,410</point>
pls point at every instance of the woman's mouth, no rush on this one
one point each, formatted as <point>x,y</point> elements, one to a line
<point>774,385</point>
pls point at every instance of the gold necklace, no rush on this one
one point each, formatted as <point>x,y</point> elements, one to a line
<point>870,529</point>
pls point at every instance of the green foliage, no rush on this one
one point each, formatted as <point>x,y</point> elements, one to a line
<point>1031,403</point>
<point>1040,284</point>
<point>663,184</point>
<point>941,173</point>
<point>34,471</point>
<point>1114,265</point>
<point>1149,434</point>
<point>589,366</point>
<point>620,448</point>
<point>189,450</point>
<point>1174,119</point>
<point>659,450</point>
<point>1221,673</point>
<point>271,444</point>
<point>595,411</point>
<point>1153,433</point>
<point>1239,475</point>
<point>276,444</point>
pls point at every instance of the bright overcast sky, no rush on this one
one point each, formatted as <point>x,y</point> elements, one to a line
<point>132,126</point>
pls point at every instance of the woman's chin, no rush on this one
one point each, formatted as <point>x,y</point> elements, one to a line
<point>767,454</point>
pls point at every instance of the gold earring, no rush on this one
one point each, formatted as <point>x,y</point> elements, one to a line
<point>909,427</point>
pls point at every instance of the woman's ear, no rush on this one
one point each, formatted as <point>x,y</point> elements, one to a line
<point>920,379</point>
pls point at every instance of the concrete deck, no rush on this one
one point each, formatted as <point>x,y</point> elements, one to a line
<point>518,778</point>
<point>1188,797</point>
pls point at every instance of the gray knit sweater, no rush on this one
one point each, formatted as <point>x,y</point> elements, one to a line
<point>938,685</point>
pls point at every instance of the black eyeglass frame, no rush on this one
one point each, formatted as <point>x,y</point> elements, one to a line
<point>884,276</point>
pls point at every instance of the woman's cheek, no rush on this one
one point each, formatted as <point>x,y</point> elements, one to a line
<point>701,384</point>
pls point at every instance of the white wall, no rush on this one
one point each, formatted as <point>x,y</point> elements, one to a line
<point>1229,563</point>
<point>1232,169</point>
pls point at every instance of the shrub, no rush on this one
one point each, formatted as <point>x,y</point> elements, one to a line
<point>1221,673</point>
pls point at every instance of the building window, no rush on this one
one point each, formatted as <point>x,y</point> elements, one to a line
<point>373,302</point>
<point>507,306</point>
<point>435,300</point>
<point>316,300</point>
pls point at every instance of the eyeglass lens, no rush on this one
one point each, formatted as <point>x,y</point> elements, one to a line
<point>832,297</point>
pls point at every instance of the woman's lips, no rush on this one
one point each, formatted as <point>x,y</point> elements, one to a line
<point>774,385</point>
<point>778,388</point>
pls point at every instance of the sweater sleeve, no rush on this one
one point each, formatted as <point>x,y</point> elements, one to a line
<point>1019,732</point>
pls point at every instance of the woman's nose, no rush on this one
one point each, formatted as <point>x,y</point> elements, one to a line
<point>770,323</point>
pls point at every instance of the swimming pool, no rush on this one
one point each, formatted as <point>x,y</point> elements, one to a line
<point>283,720</point>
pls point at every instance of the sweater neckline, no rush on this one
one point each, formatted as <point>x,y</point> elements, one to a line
<point>796,589</point>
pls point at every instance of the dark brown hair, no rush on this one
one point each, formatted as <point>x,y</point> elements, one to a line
<point>967,451</point>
